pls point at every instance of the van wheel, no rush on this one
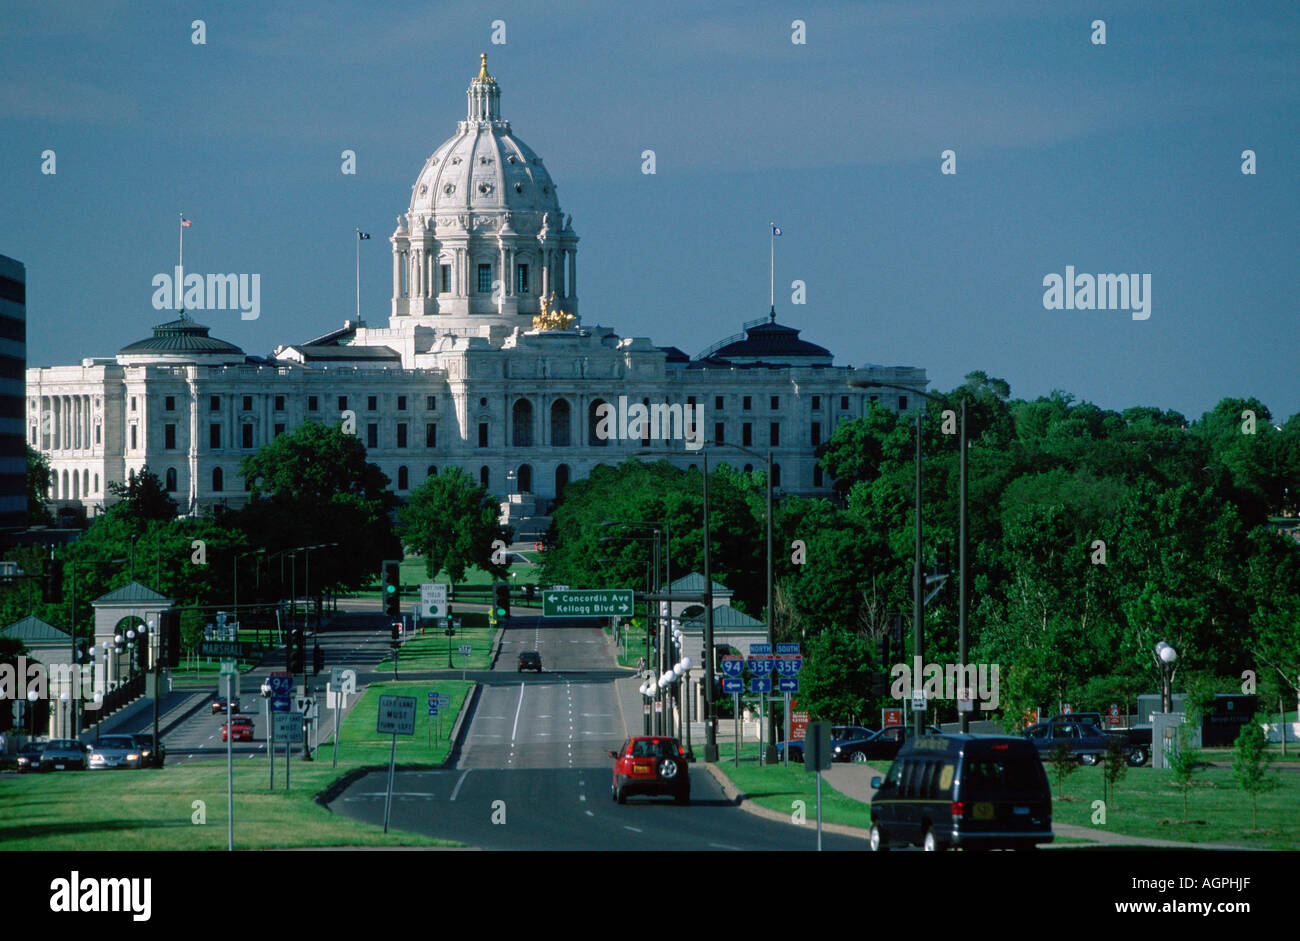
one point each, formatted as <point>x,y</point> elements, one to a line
<point>1090,760</point>
<point>878,844</point>
<point>931,845</point>
<point>1137,757</point>
<point>859,758</point>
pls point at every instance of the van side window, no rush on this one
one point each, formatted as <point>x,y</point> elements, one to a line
<point>909,778</point>
<point>927,780</point>
<point>895,774</point>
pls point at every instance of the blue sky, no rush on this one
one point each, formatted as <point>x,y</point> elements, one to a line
<point>1116,158</point>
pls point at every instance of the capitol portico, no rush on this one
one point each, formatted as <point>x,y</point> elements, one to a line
<point>478,367</point>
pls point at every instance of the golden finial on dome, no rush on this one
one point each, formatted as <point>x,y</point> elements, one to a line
<point>483,78</point>
<point>552,319</point>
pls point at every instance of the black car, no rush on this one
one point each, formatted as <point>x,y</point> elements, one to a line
<point>879,746</point>
<point>219,705</point>
<point>970,791</point>
<point>530,660</point>
<point>151,755</point>
<point>840,735</point>
<point>29,757</point>
<point>64,754</point>
<point>1084,741</point>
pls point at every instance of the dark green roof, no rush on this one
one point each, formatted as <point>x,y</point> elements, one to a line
<point>181,336</point>
<point>695,582</point>
<point>132,593</point>
<point>724,616</point>
<point>34,632</point>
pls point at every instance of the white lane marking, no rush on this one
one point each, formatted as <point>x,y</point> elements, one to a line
<point>517,710</point>
<point>633,829</point>
<point>590,814</point>
<point>582,797</point>
<point>459,782</point>
<point>724,846</point>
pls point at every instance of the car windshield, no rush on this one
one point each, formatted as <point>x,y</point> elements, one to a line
<point>65,743</point>
<point>116,741</point>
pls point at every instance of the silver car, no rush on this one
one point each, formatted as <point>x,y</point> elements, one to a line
<point>115,751</point>
<point>60,754</point>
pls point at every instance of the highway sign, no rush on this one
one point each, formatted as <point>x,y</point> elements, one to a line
<point>787,649</point>
<point>918,702</point>
<point>444,700</point>
<point>787,665</point>
<point>433,599</point>
<point>287,726</point>
<point>732,666</point>
<point>760,684</point>
<point>788,684</point>
<point>756,650</point>
<point>306,705</point>
<point>279,703</point>
<point>733,684</point>
<point>964,702</point>
<point>396,715</point>
<point>224,648</point>
<point>760,665</point>
<point>433,707</point>
<point>343,679</point>
<point>817,746</point>
<point>465,650</point>
<point>591,603</point>
<point>281,683</point>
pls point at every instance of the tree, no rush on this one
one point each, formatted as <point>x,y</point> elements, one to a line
<point>38,488</point>
<point>140,500</point>
<point>1250,761</point>
<point>1064,763</point>
<point>452,522</point>
<point>1114,765</point>
<point>314,486</point>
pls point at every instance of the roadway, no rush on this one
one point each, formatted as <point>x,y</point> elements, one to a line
<point>533,771</point>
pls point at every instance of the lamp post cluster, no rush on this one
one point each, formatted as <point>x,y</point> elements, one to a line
<point>659,691</point>
<point>1166,657</point>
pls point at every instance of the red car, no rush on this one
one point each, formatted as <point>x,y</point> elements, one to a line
<point>650,764</point>
<point>241,729</point>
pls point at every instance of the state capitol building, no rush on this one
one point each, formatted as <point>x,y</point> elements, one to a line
<point>485,364</point>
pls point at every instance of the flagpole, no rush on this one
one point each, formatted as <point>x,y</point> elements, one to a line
<point>358,240</point>
<point>771,268</point>
<point>180,264</point>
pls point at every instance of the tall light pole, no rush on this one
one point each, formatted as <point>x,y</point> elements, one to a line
<point>918,580</point>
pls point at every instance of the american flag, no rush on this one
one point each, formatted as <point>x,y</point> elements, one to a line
<point>186,223</point>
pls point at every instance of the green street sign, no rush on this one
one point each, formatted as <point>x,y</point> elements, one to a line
<point>587,603</point>
<point>227,649</point>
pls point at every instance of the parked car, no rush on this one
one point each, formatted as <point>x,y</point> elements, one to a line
<point>972,791</point>
<point>151,755</point>
<point>650,765</point>
<point>840,735</point>
<point>241,729</point>
<point>115,751</point>
<point>63,754</point>
<point>1085,742</point>
<point>219,704</point>
<point>879,746</point>
<point>530,660</point>
<point>29,756</point>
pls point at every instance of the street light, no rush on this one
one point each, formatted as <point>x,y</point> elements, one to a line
<point>918,577</point>
<point>1165,657</point>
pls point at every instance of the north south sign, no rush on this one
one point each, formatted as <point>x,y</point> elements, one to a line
<point>588,603</point>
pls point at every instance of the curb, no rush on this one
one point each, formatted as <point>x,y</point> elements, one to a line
<point>742,800</point>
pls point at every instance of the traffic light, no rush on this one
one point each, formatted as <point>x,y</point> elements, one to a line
<point>52,582</point>
<point>879,683</point>
<point>397,632</point>
<point>317,660</point>
<point>296,652</point>
<point>391,585</point>
<point>896,632</point>
<point>501,599</point>
<point>169,638</point>
<point>882,650</point>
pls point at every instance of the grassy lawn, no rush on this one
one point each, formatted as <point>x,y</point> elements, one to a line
<point>777,786</point>
<point>1146,804</point>
<point>430,651</point>
<point>414,573</point>
<point>153,810</point>
<point>635,643</point>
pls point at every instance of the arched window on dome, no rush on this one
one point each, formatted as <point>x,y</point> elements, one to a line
<point>522,423</point>
<point>524,479</point>
<point>561,479</point>
<point>561,422</point>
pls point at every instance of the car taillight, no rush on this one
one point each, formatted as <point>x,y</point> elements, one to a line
<point>956,808</point>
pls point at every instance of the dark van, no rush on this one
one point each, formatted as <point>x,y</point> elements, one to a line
<point>972,791</point>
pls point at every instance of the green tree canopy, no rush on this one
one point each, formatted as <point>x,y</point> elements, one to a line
<point>452,522</point>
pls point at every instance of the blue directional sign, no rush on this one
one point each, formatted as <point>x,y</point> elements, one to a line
<point>760,666</point>
<point>760,684</point>
<point>433,707</point>
<point>281,684</point>
<point>732,666</point>
<point>788,665</point>
<point>279,704</point>
<point>433,697</point>
<point>786,649</point>
<point>757,650</point>
<point>731,684</point>
<point>788,684</point>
